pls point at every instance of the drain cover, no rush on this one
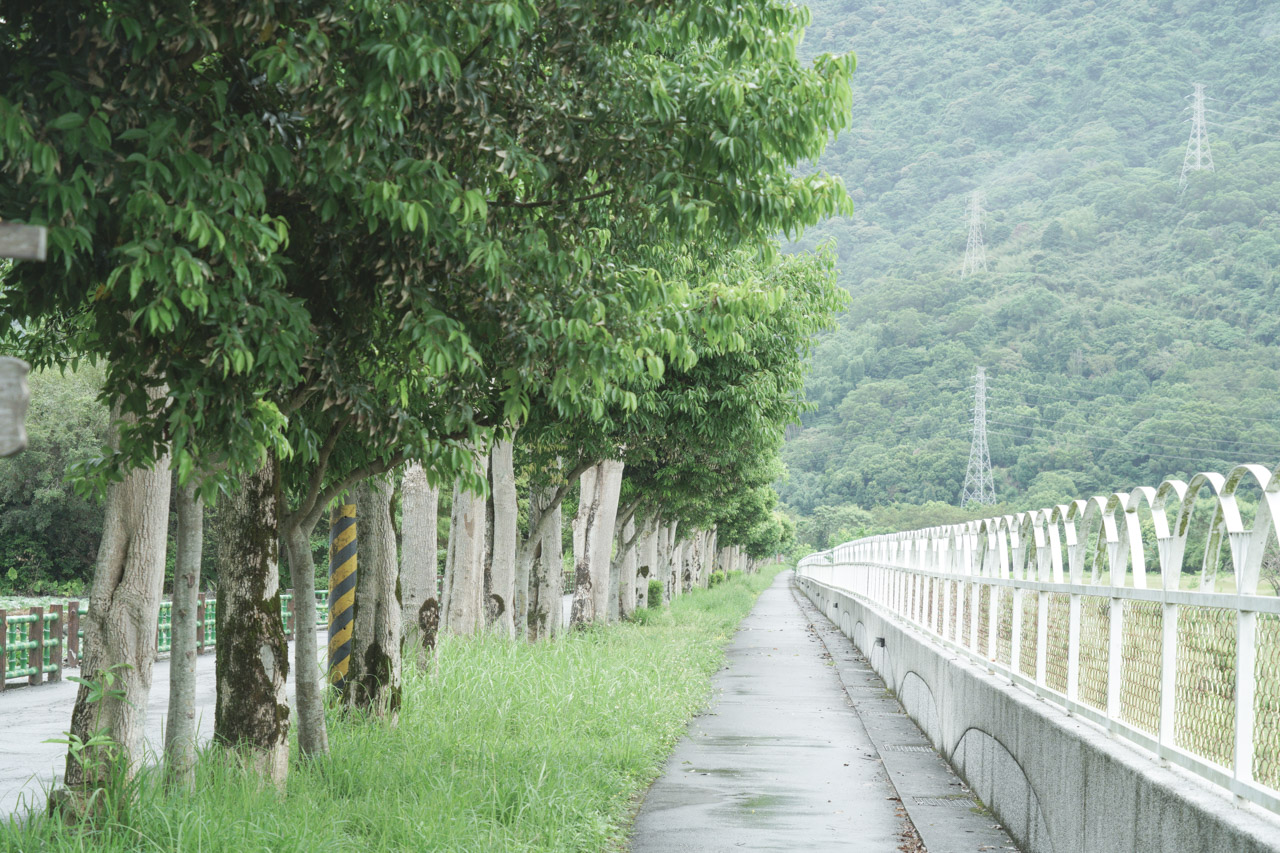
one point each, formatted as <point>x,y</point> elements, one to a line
<point>961,801</point>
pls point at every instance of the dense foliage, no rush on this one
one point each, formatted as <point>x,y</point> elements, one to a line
<point>1129,331</point>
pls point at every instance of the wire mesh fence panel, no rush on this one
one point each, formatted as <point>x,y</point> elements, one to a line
<point>1266,703</point>
<point>984,623</point>
<point>953,616</point>
<point>1030,634</point>
<point>1205,683</point>
<point>1004,627</point>
<point>1095,631</point>
<point>1140,665</point>
<point>1056,653</point>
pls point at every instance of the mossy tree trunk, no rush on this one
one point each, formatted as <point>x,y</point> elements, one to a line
<point>373,680</point>
<point>545,571</point>
<point>582,610</point>
<point>419,574</point>
<point>120,628</point>
<point>251,718</point>
<point>180,727</point>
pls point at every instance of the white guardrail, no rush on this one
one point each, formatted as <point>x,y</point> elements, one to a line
<point>1106,633</point>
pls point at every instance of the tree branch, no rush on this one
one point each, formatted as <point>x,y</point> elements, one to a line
<point>524,205</point>
<point>308,502</point>
<point>350,480</point>
<point>544,520</point>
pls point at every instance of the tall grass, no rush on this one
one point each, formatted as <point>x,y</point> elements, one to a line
<point>501,747</point>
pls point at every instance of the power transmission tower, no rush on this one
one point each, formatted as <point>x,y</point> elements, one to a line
<point>979,485</point>
<point>1198,157</point>
<point>975,253</point>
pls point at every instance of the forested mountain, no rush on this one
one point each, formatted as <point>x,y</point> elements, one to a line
<point>1130,331</point>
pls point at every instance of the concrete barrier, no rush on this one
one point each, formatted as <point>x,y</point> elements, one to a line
<point>1059,784</point>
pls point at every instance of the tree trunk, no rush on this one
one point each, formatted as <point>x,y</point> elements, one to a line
<point>252,717</point>
<point>648,560</point>
<point>373,681</point>
<point>615,573</point>
<point>600,536</point>
<point>502,560</point>
<point>627,570</point>
<point>582,609</point>
<point>546,572</point>
<point>180,726</point>
<point>309,671</point>
<point>120,628</point>
<point>692,562</point>
<point>677,569</point>
<point>419,573</point>
<point>465,566</point>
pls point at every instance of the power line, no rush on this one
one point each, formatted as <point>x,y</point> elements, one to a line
<point>1047,398</point>
<point>1231,460</point>
<point>979,484</point>
<point>1183,445</point>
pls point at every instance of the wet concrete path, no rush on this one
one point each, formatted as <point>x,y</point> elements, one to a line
<point>783,759</point>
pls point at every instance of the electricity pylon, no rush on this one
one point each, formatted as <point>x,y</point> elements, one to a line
<point>1198,157</point>
<point>979,485</point>
<point>975,253</point>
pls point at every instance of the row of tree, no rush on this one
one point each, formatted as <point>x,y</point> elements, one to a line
<point>311,247</point>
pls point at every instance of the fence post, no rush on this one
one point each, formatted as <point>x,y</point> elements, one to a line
<point>200,624</point>
<point>35,634</point>
<point>4,643</point>
<point>73,633</point>
<point>55,633</point>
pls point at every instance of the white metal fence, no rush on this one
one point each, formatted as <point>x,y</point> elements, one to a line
<point>1068,602</point>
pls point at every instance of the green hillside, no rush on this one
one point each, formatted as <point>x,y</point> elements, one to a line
<point>1130,331</point>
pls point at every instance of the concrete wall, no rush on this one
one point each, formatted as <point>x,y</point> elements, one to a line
<point>1056,782</point>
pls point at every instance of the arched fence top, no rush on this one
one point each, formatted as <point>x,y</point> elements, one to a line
<point>1133,538</point>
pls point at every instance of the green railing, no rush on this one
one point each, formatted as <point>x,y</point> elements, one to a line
<point>22,644</point>
<point>31,644</point>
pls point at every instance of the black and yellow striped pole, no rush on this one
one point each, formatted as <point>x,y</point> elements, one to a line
<point>342,590</point>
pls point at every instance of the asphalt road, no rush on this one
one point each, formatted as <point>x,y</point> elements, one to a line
<point>30,716</point>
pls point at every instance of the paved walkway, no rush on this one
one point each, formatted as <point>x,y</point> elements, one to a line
<point>792,756</point>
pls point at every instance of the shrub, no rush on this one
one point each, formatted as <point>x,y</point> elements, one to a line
<point>655,594</point>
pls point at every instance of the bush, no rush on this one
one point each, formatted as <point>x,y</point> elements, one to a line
<point>655,594</point>
<point>715,579</point>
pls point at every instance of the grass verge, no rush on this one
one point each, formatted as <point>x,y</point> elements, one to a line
<point>501,747</point>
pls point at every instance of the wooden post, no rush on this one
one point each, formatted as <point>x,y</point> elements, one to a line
<point>36,635</point>
<point>55,633</point>
<point>73,633</point>
<point>200,625</point>
<point>4,642</point>
<point>14,397</point>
